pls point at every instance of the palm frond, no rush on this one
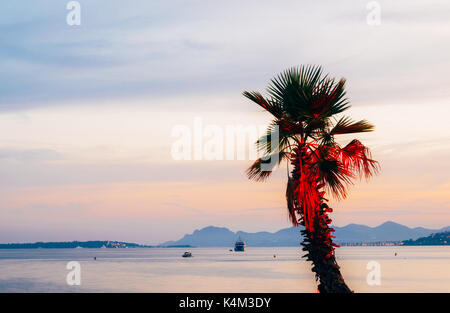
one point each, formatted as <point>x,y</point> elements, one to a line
<point>346,126</point>
<point>291,201</point>
<point>331,172</point>
<point>293,90</point>
<point>358,158</point>
<point>286,131</point>
<point>337,101</point>
<point>256,172</point>
<point>270,106</point>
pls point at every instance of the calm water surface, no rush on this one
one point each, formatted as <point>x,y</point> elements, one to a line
<point>414,269</point>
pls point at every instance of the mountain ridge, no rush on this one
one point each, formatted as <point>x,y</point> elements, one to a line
<point>213,236</point>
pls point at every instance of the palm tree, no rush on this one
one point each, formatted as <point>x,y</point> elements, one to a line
<point>305,104</point>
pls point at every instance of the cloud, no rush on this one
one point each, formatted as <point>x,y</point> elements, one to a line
<point>48,174</point>
<point>183,208</point>
<point>154,49</point>
<point>268,209</point>
<point>70,206</point>
<point>30,155</point>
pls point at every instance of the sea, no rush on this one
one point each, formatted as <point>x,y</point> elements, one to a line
<point>268,269</point>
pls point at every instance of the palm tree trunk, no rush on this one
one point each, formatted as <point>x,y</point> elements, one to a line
<point>317,237</point>
<point>320,252</point>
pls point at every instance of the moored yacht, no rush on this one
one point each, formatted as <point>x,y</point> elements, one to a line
<point>239,246</point>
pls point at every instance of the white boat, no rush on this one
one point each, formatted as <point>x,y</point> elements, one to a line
<point>187,254</point>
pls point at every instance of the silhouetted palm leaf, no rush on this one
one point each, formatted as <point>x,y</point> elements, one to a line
<point>346,126</point>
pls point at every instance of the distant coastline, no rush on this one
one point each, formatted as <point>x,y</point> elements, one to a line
<point>438,239</point>
<point>82,244</point>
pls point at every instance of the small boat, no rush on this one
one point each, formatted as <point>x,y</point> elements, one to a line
<point>187,254</point>
<point>239,246</point>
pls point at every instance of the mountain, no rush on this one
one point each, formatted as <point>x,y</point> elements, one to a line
<point>388,231</point>
<point>438,239</point>
<point>212,236</point>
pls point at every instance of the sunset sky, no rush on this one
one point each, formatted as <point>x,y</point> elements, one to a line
<point>87,112</point>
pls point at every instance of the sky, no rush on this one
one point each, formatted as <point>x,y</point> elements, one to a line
<point>88,112</point>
